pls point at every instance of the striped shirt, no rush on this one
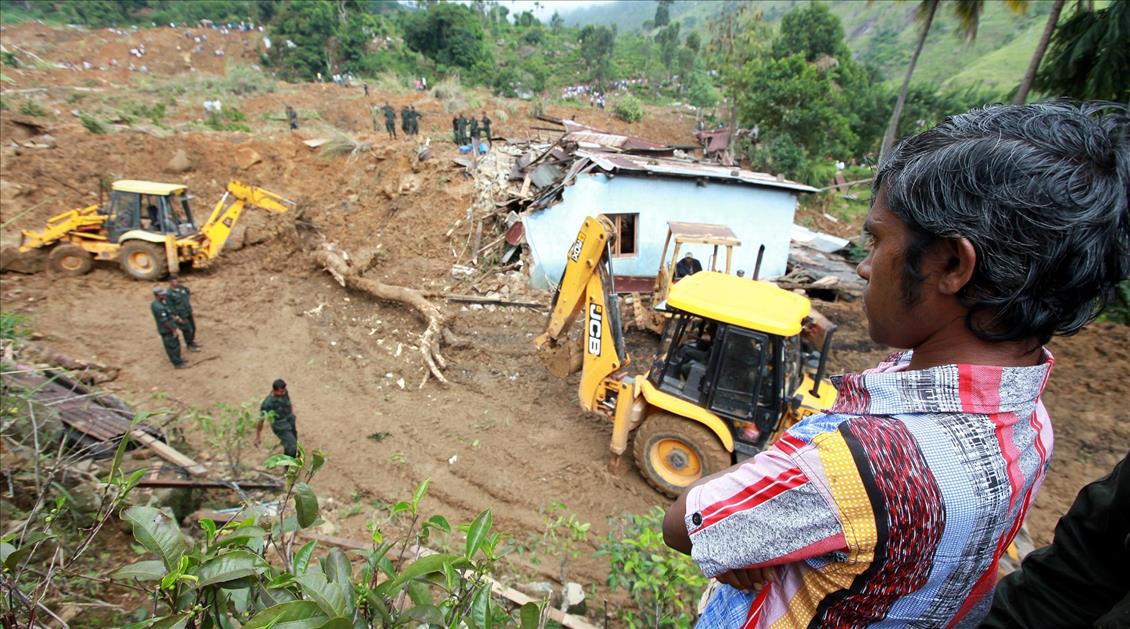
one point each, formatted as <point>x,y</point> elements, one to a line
<point>892,509</point>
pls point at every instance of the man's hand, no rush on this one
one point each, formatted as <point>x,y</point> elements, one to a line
<point>748,579</point>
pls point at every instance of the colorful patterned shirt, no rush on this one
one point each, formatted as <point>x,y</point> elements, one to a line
<point>892,509</point>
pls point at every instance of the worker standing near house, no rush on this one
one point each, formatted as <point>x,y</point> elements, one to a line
<point>277,408</point>
<point>178,298</point>
<point>166,327</point>
<point>486,128</point>
<point>894,507</point>
<point>390,120</point>
<point>687,266</point>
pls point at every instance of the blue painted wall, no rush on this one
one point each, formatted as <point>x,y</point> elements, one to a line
<point>757,215</point>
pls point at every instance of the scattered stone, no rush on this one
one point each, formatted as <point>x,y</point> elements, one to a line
<point>246,157</point>
<point>179,163</point>
<point>573,598</point>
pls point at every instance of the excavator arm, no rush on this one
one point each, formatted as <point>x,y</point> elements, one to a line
<point>86,219</point>
<point>586,288</point>
<point>219,226</point>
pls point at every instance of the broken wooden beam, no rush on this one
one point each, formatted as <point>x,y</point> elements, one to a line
<point>167,452</point>
<point>494,301</point>
<point>209,484</point>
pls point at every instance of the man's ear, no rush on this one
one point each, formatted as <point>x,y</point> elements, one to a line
<point>960,258</point>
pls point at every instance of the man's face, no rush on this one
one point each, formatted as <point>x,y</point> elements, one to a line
<point>890,320</point>
<point>173,282</point>
<point>279,392</point>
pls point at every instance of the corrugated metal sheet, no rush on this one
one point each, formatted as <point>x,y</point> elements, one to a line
<point>720,234</point>
<point>662,166</point>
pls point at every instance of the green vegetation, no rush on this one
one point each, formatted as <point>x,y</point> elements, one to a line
<point>13,326</point>
<point>227,429</point>
<point>664,585</point>
<point>628,109</point>
<point>92,124</point>
<point>228,119</point>
<point>31,108</point>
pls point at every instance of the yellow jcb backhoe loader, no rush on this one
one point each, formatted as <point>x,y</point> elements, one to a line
<point>147,227</point>
<point>730,375</point>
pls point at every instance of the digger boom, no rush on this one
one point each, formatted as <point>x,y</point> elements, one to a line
<point>218,228</point>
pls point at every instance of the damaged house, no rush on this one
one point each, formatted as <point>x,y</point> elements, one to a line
<point>642,186</point>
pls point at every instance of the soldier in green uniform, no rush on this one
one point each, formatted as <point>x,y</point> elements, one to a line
<point>277,407</point>
<point>177,298</point>
<point>486,127</point>
<point>415,129</point>
<point>390,120</point>
<point>474,133</point>
<point>405,120</point>
<point>455,137</point>
<point>462,130</point>
<point>166,327</point>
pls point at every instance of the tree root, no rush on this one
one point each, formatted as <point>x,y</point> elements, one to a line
<point>338,264</point>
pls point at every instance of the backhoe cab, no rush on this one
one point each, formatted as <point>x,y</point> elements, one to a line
<point>648,309</point>
<point>739,362</point>
<point>147,227</point>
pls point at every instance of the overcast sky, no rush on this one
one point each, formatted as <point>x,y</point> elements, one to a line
<point>549,6</point>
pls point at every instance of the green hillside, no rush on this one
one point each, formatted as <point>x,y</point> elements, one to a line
<point>882,33</point>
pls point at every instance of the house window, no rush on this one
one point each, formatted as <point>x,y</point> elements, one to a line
<point>627,239</point>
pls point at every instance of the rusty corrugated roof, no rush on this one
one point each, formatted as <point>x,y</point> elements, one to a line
<point>678,168</point>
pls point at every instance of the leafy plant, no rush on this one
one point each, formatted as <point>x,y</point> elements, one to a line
<point>226,579</point>
<point>228,429</point>
<point>13,326</point>
<point>628,109</point>
<point>92,124</point>
<point>664,585</point>
<point>30,108</point>
<point>228,119</point>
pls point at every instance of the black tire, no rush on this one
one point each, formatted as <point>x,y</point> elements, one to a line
<point>672,452</point>
<point>143,260</point>
<point>69,259</point>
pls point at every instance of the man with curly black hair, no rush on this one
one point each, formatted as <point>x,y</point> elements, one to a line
<point>990,234</point>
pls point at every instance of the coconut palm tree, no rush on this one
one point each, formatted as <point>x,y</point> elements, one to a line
<point>968,14</point>
<point>1038,55</point>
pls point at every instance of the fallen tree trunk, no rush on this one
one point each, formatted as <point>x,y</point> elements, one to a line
<point>337,262</point>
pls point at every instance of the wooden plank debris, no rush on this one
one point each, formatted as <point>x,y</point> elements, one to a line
<point>209,484</point>
<point>167,452</point>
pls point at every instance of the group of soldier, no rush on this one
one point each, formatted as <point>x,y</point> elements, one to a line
<point>468,130</point>
<point>172,309</point>
<point>409,119</point>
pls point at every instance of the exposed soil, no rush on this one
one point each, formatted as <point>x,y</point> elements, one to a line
<point>505,434</point>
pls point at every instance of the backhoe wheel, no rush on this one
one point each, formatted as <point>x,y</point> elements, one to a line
<point>672,452</point>
<point>143,260</point>
<point>68,259</point>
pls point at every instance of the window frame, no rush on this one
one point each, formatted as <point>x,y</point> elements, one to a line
<point>617,247</point>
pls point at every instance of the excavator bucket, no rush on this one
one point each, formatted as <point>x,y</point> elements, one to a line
<point>560,360</point>
<point>260,198</point>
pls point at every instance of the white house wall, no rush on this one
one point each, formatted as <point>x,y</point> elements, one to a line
<point>757,215</point>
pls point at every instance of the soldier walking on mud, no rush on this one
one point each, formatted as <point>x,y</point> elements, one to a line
<point>390,120</point>
<point>166,327</point>
<point>278,409</point>
<point>405,121</point>
<point>178,299</point>
<point>292,117</point>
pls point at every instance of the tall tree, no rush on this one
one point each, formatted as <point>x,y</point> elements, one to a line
<point>662,13</point>
<point>1038,55</point>
<point>813,31</point>
<point>1089,55</point>
<point>926,11</point>
<point>597,44</point>
<point>668,40</point>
